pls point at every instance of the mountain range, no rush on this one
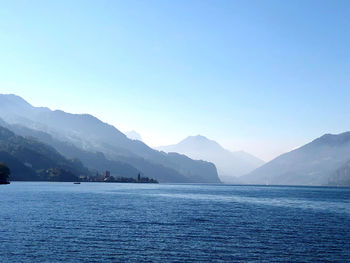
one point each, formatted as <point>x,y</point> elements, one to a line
<point>230,165</point>
<point>40,144</point>
<point>100,145</point>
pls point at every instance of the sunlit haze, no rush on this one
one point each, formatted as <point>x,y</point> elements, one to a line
<point>260,76</point>
<point>175,131</point>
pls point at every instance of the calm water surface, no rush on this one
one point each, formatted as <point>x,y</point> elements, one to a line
<point>96,222</point>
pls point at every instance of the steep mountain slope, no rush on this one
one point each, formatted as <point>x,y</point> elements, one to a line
<point>90,134</point>
<point>341,177</point>
<point>19,172</point>
<point>230,165</point>
<point>30,159</point>
<point>311,164</point>
<point>95,161</point>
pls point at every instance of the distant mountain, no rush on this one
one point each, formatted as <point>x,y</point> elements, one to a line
<point>316,163</point>
<point>230,165</point>
<point>31,160</point>
<point>133,135</point>
<point>91,135</point>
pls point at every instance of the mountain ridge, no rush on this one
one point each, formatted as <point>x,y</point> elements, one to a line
<point>310,164</point>
<point>90,134</point>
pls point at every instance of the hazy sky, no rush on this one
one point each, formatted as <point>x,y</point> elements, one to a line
<point>262,76</point>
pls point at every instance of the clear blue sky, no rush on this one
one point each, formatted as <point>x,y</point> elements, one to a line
<point>262,76</point>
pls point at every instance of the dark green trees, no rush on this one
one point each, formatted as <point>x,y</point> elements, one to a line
<point>4,174</point>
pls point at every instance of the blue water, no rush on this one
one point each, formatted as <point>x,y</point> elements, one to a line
<point>97,222</point>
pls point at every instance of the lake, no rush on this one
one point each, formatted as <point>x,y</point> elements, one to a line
<point>101,222</point>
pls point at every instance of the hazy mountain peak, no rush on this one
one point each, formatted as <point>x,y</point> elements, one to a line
<point>198,137</point>
<point>13,98</point>
<point>199,141</point>
<point>133,135</point>
<point>333,139</point>
<point>16,105</point>
<point>14,101</point>
<point>229,164</point>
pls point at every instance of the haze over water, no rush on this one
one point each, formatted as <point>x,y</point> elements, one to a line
<point>94,222</point>
<point>260,76</point>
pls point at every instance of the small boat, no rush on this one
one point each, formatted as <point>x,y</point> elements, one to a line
<point>76,183</point>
